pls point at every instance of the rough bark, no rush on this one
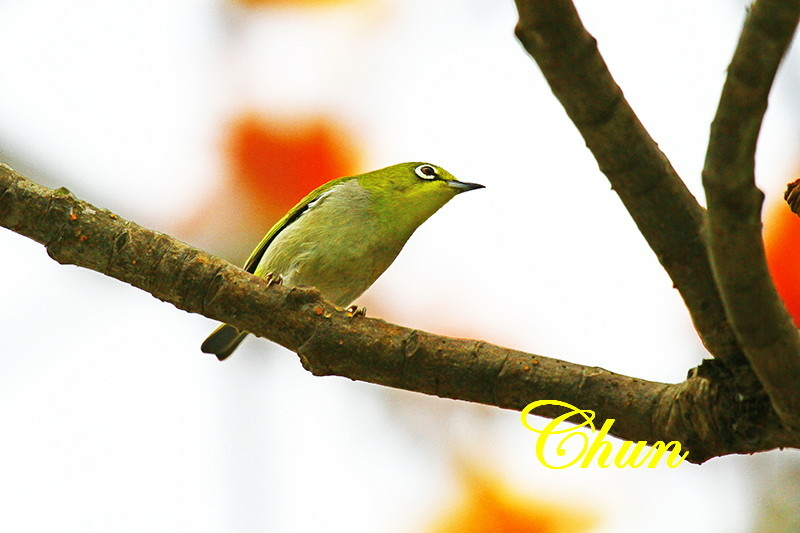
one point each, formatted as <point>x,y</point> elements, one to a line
<point>716,411</point>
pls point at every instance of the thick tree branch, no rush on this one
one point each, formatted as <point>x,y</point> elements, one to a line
<point>761,323</point>
<point>712,413</point>
<point>664,210</point>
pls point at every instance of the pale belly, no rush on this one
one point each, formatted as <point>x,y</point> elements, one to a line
<point>339,251</point>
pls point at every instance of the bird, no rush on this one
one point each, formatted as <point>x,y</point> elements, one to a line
<point>344,234</point>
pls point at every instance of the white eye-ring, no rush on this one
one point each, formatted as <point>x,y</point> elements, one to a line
<point>426,172</point>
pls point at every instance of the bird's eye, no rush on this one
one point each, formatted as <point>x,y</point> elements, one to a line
<point>426,172</point>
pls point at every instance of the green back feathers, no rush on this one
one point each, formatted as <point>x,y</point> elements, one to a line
<point>405,195</point>
<point>293,214</point>
<point>345,233</point>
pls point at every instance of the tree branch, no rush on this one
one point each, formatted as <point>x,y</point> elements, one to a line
<point>664,210</point>
<point>713,413</point>
<point>762,325</point>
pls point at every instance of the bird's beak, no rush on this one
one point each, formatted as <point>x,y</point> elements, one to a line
<point>464,186</point>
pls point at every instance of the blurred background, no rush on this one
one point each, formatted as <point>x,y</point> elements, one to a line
<point>208,119</point>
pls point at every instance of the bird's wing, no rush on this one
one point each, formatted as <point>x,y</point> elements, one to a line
<point>313,198</point>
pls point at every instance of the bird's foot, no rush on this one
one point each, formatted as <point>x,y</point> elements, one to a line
<point>273,279</point>
<point>354,310</point>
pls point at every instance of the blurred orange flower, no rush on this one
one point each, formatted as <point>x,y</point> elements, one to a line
<point>487,506</point>
<point>304,3</point>
<point>270,166</point>
<point>782,244</point>
<point>278,164</point>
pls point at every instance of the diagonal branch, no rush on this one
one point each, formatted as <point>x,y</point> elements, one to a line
<point>712,413</point>
<point>664,210</point>
<point>761,323</point>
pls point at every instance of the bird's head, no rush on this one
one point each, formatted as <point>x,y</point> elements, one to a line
<point>408,193</point>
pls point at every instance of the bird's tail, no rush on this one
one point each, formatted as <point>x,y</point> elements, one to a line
<point>223,341</point>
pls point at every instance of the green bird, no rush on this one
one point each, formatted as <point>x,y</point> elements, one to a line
<point>344,234</point>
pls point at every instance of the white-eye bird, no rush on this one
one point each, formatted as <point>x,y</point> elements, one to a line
<point>344,234</point>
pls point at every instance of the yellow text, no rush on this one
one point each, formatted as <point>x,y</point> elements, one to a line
<point>586,449</point>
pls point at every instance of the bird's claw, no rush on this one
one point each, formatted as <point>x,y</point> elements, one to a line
<point>273,279</point>
<point>354,310</point>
